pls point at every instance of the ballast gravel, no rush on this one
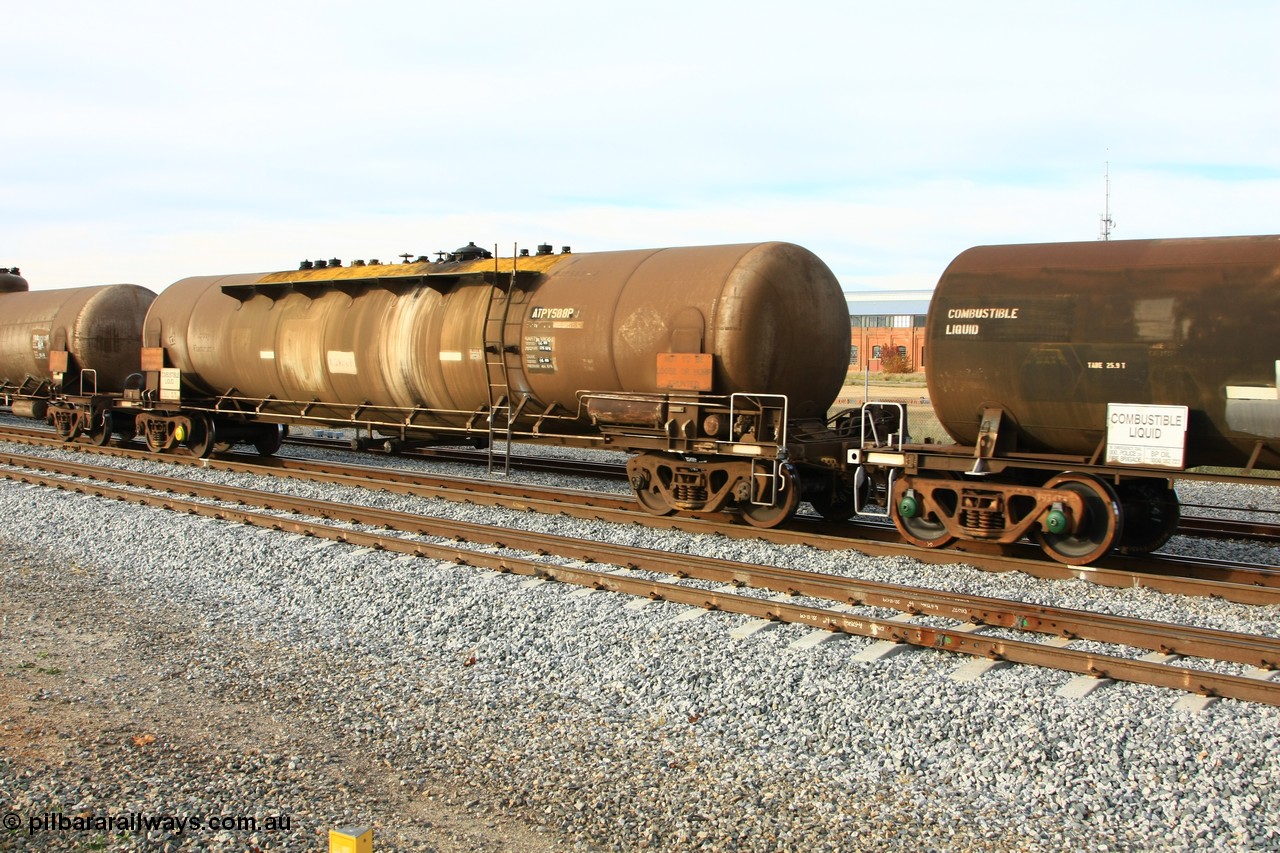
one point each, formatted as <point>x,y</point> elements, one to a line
<point>168,665</point>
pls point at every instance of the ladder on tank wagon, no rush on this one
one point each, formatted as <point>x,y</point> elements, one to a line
<point>497,324</point>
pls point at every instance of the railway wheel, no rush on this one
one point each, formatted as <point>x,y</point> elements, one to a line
<point>1099,529</point>
<point>648,473</point>
<point>1151,513</point>
<point>269,440</point>
<point>203,437</point>
<point>651,500</point>
<point>99,432</point>
<point>788,499</point>
<point>923,529</point>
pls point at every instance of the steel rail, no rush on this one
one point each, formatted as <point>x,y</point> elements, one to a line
<point>1163,573</point>
<point>1263,652</point>
<point>1201,526</point>
<point>1173,639</point>
<point>1229,528</point>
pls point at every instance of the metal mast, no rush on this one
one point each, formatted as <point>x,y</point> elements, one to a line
<point>1107,222</point>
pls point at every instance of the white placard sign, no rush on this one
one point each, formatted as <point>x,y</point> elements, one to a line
<point>340,361</point>
<point>170,384</point>
<point>1146,435</point>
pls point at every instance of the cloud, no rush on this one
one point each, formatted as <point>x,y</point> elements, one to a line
<point>146,145</point>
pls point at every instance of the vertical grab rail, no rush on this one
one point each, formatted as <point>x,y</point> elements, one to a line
<point>869,430</point>
<point>94,374</point>
<point>495,360</point>
<point>766,480</point>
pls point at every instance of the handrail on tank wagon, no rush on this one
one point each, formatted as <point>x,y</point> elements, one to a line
<point>761,468</point>
<point>83,373</point>
<point>364,415</point>
<point>860,475</point>
<point>875,435</point>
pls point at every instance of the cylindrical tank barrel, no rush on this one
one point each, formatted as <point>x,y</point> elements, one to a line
<point>100,328</point>
<point>1053,333</point>
<point>771,316</point>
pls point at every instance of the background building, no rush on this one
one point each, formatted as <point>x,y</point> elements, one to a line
<point>885,324</point>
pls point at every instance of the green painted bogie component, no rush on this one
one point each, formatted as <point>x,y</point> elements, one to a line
<point>1056,522</point>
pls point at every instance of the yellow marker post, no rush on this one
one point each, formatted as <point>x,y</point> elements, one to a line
<point>351,839</point>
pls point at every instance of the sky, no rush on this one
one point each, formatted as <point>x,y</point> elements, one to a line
<point>145,142</point>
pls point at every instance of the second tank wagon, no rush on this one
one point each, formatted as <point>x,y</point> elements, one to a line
<point>455,337</point>
<point>701,357</point>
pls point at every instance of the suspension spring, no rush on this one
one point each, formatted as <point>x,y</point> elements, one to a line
<point>690,492</point>
<point>982,514</point>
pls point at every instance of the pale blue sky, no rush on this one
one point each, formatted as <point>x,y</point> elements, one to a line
<point>145,142</point>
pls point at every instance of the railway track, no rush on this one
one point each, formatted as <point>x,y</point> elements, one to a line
<point>990,629</point>
<point>1204,526</point>
<point>1246,584</point>
<point>1227,528</point>
<point>1200,526</point>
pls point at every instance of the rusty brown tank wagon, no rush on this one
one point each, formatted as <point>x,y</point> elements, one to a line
<point>80,340</point>
<point>713,363</point>
<point>1077,377</point>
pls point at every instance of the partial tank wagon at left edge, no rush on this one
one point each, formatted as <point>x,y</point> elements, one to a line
<point>82,341</point>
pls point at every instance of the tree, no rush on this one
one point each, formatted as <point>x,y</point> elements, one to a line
<point>894,360</point>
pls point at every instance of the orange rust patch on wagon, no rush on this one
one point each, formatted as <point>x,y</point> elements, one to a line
<point>684,371</point>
